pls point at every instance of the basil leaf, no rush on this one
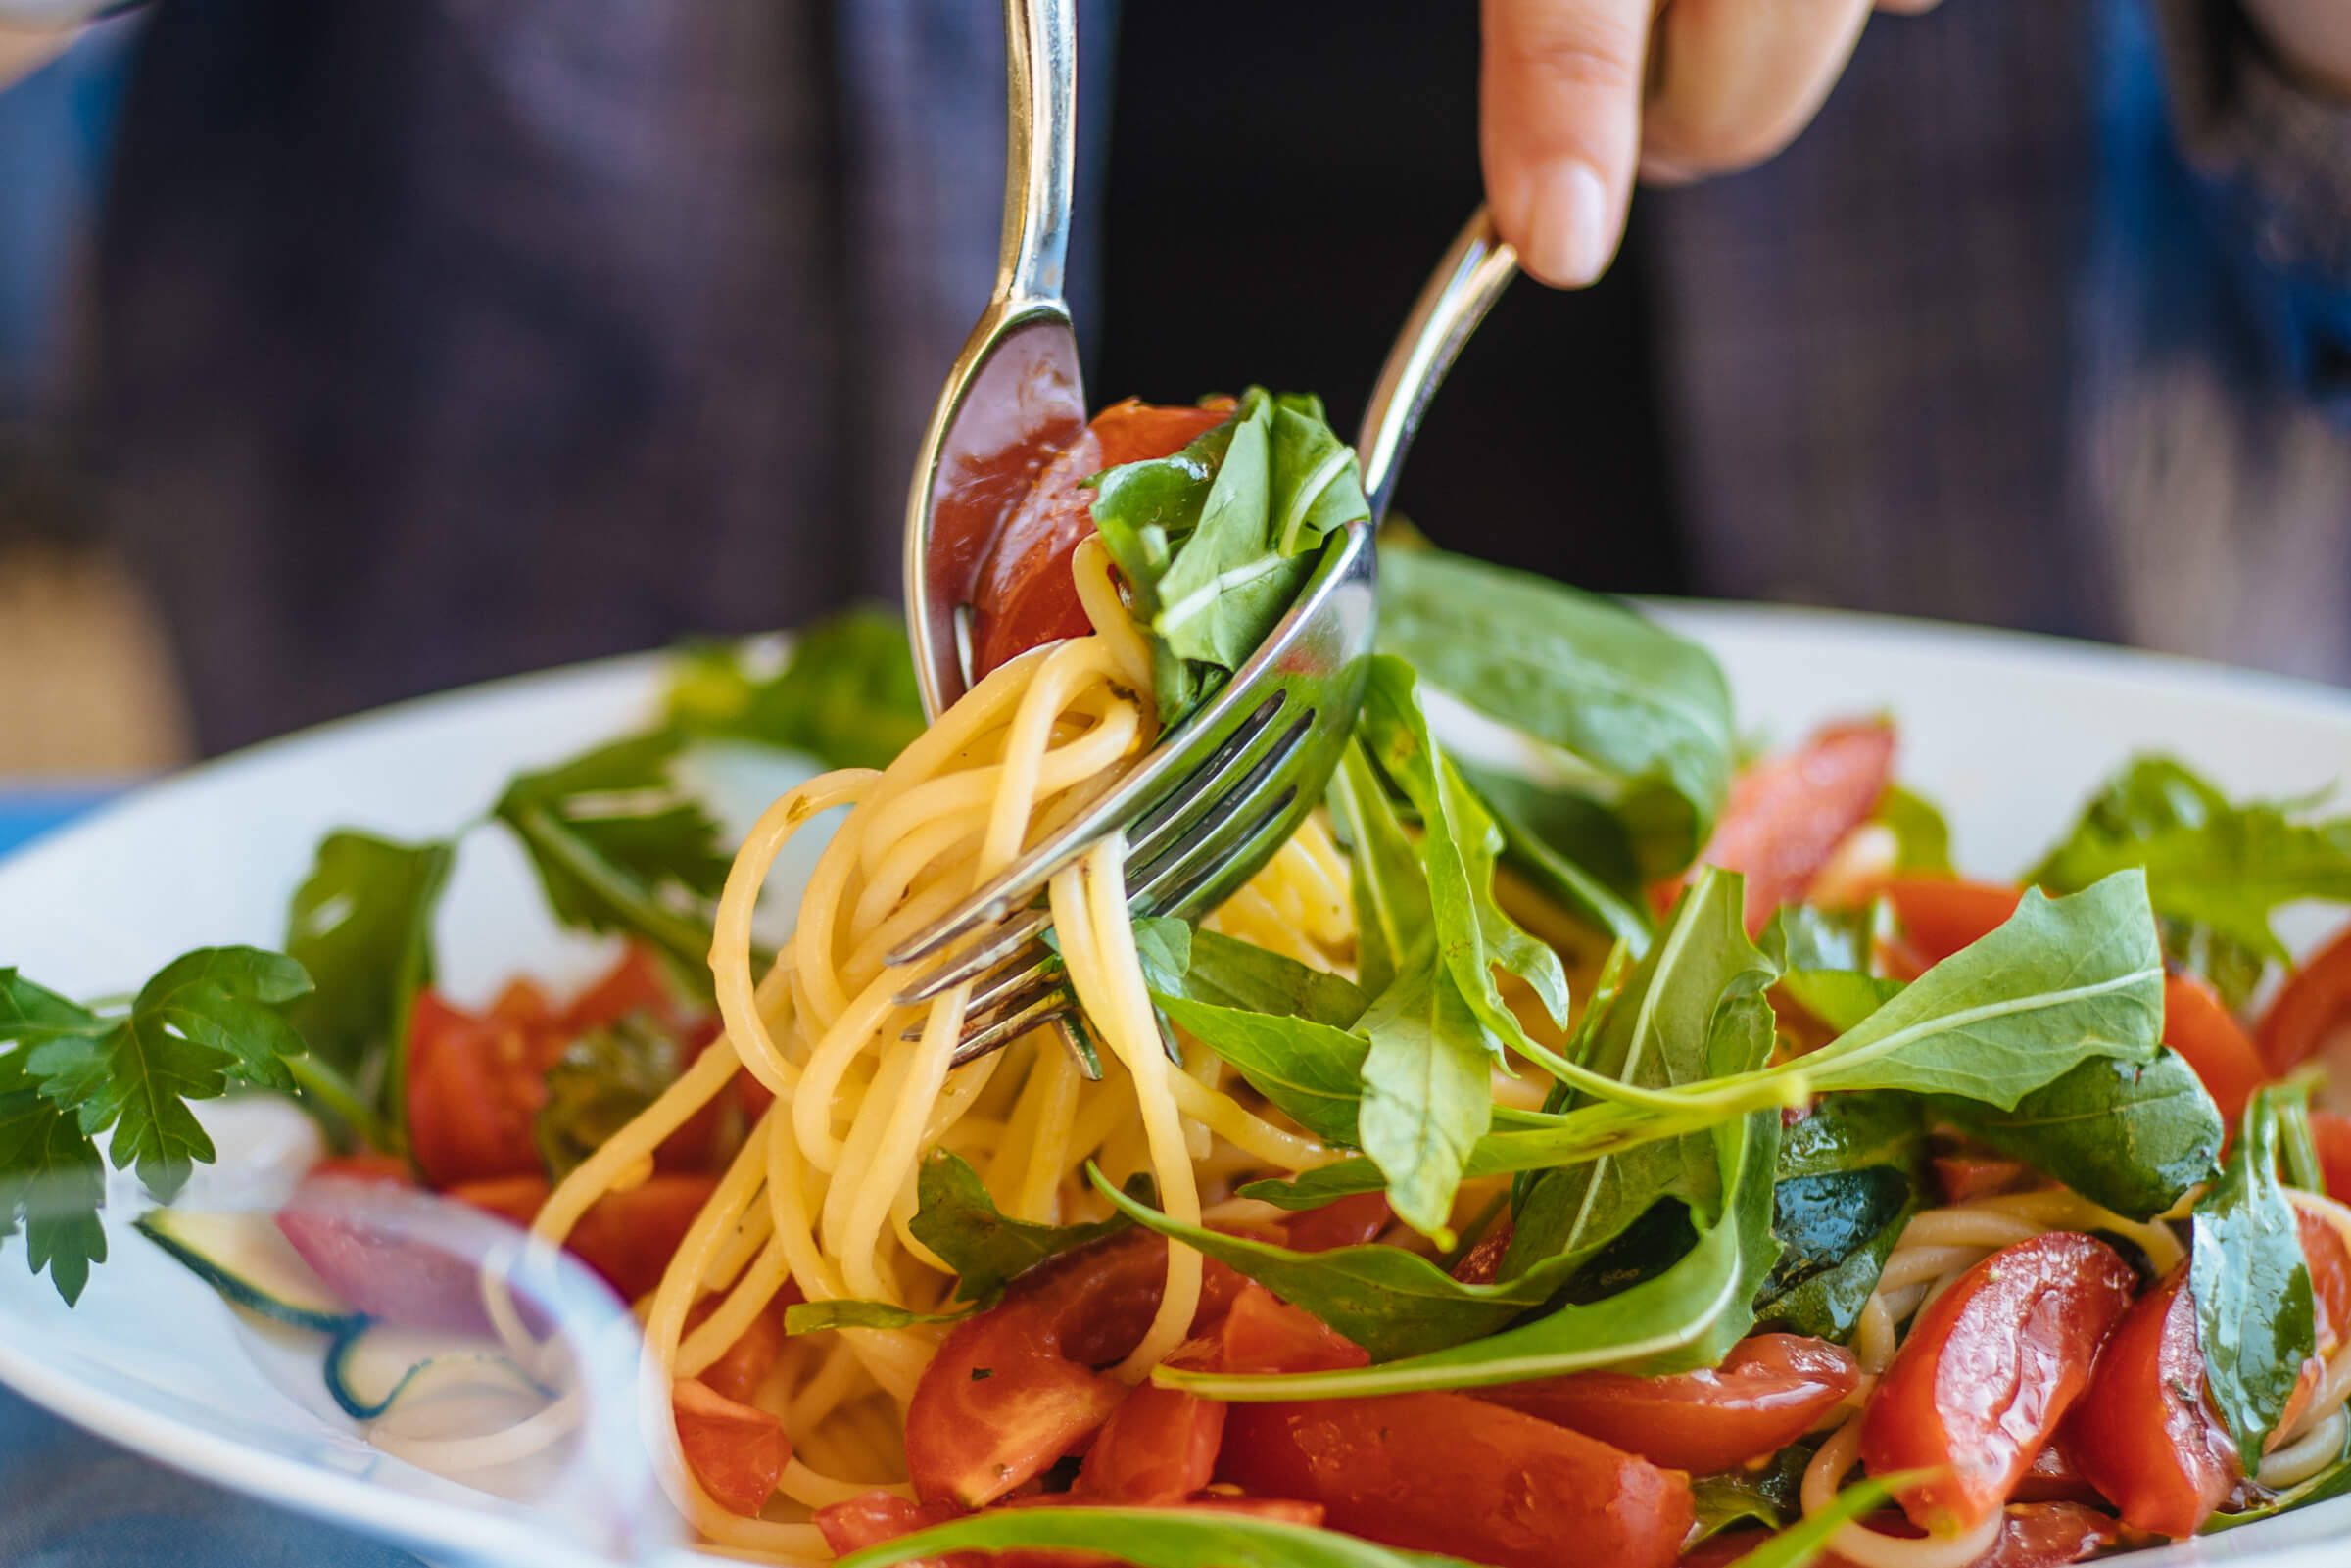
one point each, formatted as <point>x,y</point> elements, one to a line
<point>2256,1316</point>
<point>1922,838</point>
<point>1770,1496</point>
<point>361,924</point>
<point>619,848</point>
<point>2061,981</point>
<point>1657,1032</point>
<point>2209,863</point>
<point>845,694</point>
<point>1853,1132</point>
<point>1149,1538</point>
<point>1646,713</point>
<point>815,1317</point>
<point>2130,1137</point>
<point>1838,1230</point>
<point>1163,948</point>
<point>957,1219</point>
<point>1228,972</point>
<point>1689,1314</point>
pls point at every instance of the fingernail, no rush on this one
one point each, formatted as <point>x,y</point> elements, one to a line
<point>1568,241</point>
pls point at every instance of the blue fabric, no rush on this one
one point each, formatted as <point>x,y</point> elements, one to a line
<point>70,1500</point>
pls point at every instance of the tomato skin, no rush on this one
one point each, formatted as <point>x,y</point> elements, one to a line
<point>873,1517</point>
<point>626,1237</point>
<point>1788,813</point>
<point>1025,594</point>
<point>1158,1447</point>
<point>748,1361</point>
<point>2145,1434</point>
<point>1262,1333</point>
<point>2333,1134</point>
<point>1963,1176</point>
<point>2196,1023</point>
<point>1351,1222</point>
<point>1770,1390</point>
<point>473,1086</point>
<point>737,1452</point>
<point>1481,1265</point>
<point>1443,1472</point>
<point>2314,1003</point>
<point>1012,1390</point>
<point>1940,916</point>
<point>1990,1369</point>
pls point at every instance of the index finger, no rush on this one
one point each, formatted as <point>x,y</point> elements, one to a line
<point>1560,128</point>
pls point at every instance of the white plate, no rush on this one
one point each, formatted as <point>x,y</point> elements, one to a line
<point>2007,732</point>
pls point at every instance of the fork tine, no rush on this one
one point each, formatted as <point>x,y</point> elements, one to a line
<point>1169,815</point>
<point>1047,1009</point>
<point>1165,784</point>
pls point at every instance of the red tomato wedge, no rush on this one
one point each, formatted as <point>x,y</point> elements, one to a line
<point>2144,1433</point>
<point>1351,1222</point>
<point>1158,1447</point>
<point>2313,1004</point>
<point>1262,1333</point>
<point>1025,594</point>
<point>2053,1477</point>
<point>1447,1473</point>
<point>1940,916</point>
<point>2331,1132</point>
<point>2330,1262</point>
<point>1014,1388</point>
<point>873,1517</point>
<point>474,1085</point>
<point>748,1361</point>
<point>1788,813</point>
<point>374,1243</point>
<point>1963,1176</point>
<point>1990,1369</point>
<point>1769,1391</point>
<point>2196,1023</point>
<point>738,1452</point>
<point>627,1237</point>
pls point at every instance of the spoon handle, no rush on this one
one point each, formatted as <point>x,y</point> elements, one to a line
<point>1041,147</point>
<point>1457,296</point>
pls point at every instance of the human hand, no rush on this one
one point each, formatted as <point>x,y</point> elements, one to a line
<point>2312,39</point>
<point>1578,95</point>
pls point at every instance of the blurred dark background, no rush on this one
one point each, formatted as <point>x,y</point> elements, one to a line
<point>351,351</point>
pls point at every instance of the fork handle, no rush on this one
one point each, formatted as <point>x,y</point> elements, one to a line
<point>1041,147</point>
<point>1455,300</point>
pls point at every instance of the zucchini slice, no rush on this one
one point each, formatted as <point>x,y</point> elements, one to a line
<point>242,1255</point>
<point>372,1366</point>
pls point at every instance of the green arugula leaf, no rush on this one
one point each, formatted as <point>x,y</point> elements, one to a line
<point>1163,949</point>
<point>1429,1094</point>
<point>815,1317</point>
<point>52,1186</point>
<point>1800,938</point>
<point>2061,981</point>
<point>2256,1316</point>
<point>1460,845</point>
<point>956,1219</point>
<point>1393,920</point>
<point>1660,1031</point>
<point>1645,714</point>
<point>1922,838</point>
<point>2131,1137</point>
<point>1228,972</point>
<point>1840,999</point>
<point>1215,541</point>
<point>618,848</point>
<point>2209,863</point>
<point>1688,1315</point>
<point>845,694</point>
<point>1312,1072</point>
<point>1149,1538</point>
<point>1570,848</point>
<point>361,925</point>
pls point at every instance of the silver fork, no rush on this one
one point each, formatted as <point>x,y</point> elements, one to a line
<point>1225,788</point>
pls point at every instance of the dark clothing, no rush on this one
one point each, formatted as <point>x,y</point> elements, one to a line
<point>441,339</point>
